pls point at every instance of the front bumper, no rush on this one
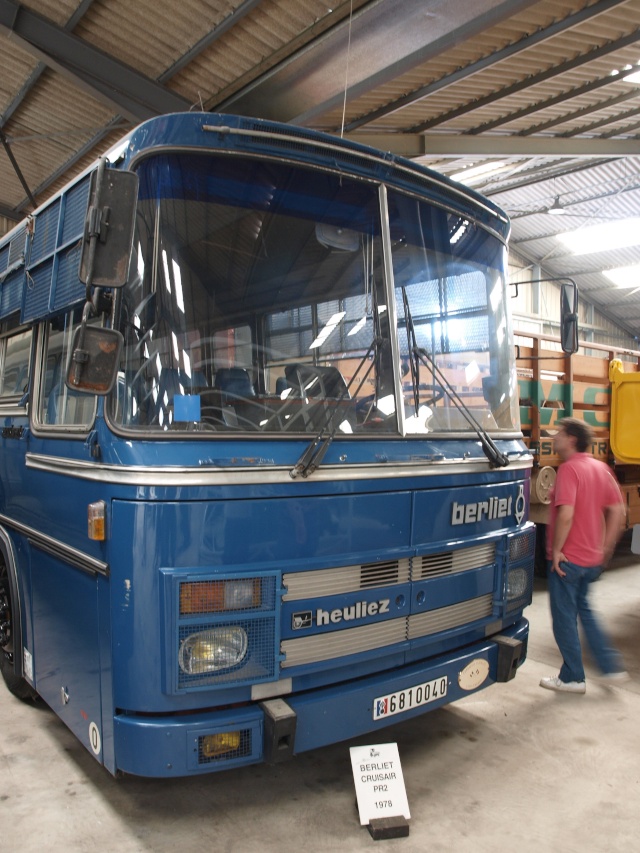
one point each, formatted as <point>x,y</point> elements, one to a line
<point>172,746</point>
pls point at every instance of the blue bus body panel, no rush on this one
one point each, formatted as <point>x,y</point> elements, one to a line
<point>169,746</point>
<point>215,539</point>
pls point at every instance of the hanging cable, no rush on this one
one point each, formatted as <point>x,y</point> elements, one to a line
<point>346,73</point>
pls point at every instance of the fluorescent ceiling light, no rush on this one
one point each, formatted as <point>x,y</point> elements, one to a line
<point>601,238</point>
<point>633,78</point>
<point>467,176</point>
<point>624,276</point>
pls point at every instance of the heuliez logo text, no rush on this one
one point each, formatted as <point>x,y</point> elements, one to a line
<point>351,613</point>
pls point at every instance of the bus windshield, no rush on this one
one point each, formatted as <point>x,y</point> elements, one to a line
<point>257,302</point>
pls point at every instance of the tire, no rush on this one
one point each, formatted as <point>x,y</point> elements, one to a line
<point>16,684</point>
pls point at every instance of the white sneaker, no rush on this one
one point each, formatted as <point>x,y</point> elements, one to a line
<point>615,677</point>
<point>553,682</point>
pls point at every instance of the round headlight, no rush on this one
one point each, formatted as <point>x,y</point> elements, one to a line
<point>213,650</point>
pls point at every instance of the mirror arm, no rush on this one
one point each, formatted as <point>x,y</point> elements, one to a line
<point>541,280</point>
<point>80,356</point>
<point>95,227</point>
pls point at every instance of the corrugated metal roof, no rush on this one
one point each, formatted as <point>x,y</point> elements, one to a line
<point>527,82</point>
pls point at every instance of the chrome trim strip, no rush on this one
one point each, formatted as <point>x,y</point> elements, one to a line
<point>337,644</point>
<point>452,616</point>
<point>58,549</point>
<point>139,475</point>
<point>321,582</point>
<point>14,410</point>
<point>390,291</point>
<point>452,562</point>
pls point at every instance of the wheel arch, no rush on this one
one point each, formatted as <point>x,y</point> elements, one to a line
<point>7,555</point>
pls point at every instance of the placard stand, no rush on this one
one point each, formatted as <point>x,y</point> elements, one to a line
<point>388,827</point>
<point>381,798</point>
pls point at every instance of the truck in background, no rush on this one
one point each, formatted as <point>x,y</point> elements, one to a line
<point>601,388</point>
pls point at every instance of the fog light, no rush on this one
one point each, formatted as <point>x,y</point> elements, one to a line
<point>213,650</point>
<point>517,582</point>
<point>213,745</point>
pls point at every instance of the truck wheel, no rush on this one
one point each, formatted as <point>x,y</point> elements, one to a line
<point>15,683</point>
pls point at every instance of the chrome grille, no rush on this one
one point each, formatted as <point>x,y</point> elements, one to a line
<point>383,574</point>
<point>450,562</point>
<point>445,618</point>
<point>313,584</point>
<point>340,643</point>
<point>348,579</point>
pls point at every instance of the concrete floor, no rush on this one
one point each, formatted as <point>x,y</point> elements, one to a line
<point>511,767</point>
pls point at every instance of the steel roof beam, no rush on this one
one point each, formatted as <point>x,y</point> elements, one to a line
<point>567,206</point>
<point>40,67</point>
<point>604,122</point>
<point>206,41</point>
<point>129,92</point>
<point>380,41</point>
<point>486,62</point>
<point>16,168</point>
<point>458,145</point>
<point>526,83</point>
<point>585,89</point>
<point>548,176</point>
<point>87,148</point>
<point>10,213</point>
<point>585,111</point>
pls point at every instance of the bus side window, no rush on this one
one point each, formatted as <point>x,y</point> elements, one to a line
<point>15,354</point>
<point>57,405</point>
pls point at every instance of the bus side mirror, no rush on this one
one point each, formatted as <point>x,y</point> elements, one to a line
<point>108,229</point>
<point>93,366</point>
<point>106,250</point>
<point>569,317</point>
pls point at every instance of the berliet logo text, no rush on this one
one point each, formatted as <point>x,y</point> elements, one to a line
<point>360,610</point>
<point>489,509</point>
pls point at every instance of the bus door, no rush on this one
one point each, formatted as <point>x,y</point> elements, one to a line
<point>65,580</point>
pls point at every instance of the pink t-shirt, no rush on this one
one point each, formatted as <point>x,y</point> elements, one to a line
<point>588,486</point>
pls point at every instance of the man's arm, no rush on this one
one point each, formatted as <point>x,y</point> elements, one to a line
<point>614,518</point>
<point>564,520</point>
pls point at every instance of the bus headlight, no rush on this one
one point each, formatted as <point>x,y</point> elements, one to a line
<point>213,650</point>
<point>517,583</point>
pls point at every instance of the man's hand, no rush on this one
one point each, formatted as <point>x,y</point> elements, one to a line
<point>564,521</point>
<point>558,557</point>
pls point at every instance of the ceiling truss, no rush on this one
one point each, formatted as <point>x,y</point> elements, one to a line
<point>536,87</point>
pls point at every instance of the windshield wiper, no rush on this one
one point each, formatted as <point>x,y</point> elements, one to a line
<point>314,454</point>
<point>496,457</point>
<point>412,345</point>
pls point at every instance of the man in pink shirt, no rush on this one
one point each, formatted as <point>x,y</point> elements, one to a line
<point>587,518</point>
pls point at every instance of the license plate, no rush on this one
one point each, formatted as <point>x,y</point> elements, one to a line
<point>412,697</point>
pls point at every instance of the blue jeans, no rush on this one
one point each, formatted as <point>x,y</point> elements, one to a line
<point>568,598</point>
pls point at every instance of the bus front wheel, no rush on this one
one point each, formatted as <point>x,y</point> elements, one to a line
<point>15,683</point>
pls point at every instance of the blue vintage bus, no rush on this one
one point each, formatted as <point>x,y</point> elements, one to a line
<point>262,481</point>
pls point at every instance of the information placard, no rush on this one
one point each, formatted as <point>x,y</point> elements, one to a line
<point>379,782</point>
